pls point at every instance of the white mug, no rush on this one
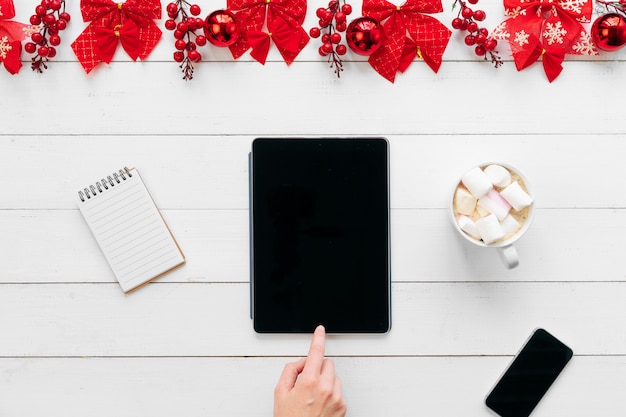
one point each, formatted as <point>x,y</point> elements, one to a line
<point>506,250</point>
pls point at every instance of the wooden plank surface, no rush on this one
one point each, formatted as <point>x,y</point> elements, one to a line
<point>72,344</point>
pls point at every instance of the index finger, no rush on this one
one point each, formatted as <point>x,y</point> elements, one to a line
<point>315,357</point>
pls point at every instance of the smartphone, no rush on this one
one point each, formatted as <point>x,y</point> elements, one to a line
<point>529,376</point>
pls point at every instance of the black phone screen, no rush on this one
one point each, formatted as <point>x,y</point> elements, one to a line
<point>529,376</point>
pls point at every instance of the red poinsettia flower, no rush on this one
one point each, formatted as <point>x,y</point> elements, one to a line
<point>11,36</point>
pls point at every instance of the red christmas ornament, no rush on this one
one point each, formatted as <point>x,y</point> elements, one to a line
<point>364,35</point>
<point>221,28</point>
<point>609,32</point>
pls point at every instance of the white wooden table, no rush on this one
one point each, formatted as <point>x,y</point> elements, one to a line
<point>72,344</point>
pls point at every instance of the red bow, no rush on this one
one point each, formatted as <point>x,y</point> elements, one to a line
<point>428,38</point>
<point>11,36</point>
<point>550,28</point>
<point>282,35</point>
<point>552,58</point>
<point>127,36</point>
<point>132,22</point>
<point>284,20</point>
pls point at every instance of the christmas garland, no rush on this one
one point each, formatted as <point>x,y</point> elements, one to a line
<point>391,35</point>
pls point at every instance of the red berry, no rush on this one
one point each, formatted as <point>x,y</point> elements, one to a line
<point>490,44</point>
<point>470,40</point>
<point>172,8</point>
<point>472,1</point>
<point>55,5</point>
<point>30,47</point>
<point>315,32</point>
<point>335,38</point>
<point>178,34</point>
<point>479,15</point>
<point>328,15</point>
<point>467,13</point>
<point>65,16</point>
<point>320,12</point>
<point>464,24</point>
<point>323,23</point>
<point>484,31</point>
<point>480,39</point>
<point>49,19</point>
<point>37,37</point>
<point>341,27</point>
<point>179,56</point>
<point>180,44</point>
<point>341,49</point>
<point>321,51</point>
<point>480,50</point>
<point>195,10</point>
<point>182,26</point>
<point>43,50</point>
<point>346,8</point>
<point>52,52</point>
<point>41,10</point>
<point>61,24</point>
<point>170,24</point>
<point>201,40</point>
<point>55,40</point>
<point>325,38</point>
<point>472,26</point>
<point>340,17</point>
<point>191,46</point>
<point>327,47</point>
<point>35,20</point>
<point>194,55</point>
<point>456,23</point>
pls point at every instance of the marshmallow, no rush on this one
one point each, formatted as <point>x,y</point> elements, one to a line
<point>468,226</point>
<point>477,182</point>
<point>489,229</point>
<point>516,196</point>
<point>464,201</point>
<point>509,225</point>
<point>498,175</point>
<point>494,203</point>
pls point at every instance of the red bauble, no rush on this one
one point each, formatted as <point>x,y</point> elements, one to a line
<point>364,35</point>
<point>221,28</point>
<point>609,32</point>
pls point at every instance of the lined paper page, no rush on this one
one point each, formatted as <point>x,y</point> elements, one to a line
<point>131,232</point>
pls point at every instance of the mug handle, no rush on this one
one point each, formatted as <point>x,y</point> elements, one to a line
<point>508,255</point>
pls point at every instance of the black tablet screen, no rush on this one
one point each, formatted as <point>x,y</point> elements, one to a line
<point>320,235</point>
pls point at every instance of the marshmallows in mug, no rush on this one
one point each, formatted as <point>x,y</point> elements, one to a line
<point>489,203</point>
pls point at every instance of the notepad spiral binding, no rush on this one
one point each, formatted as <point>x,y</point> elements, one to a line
<point>103,185</point>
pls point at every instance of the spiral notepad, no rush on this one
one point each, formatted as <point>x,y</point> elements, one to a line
<point>129,229</point>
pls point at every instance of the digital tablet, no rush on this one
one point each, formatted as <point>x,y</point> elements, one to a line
<point>320,235</point>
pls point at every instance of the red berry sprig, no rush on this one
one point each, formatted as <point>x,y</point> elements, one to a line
<point>478,37</point>
<point>332,45</point>
<point>50,18</point>
<point>184,21</point>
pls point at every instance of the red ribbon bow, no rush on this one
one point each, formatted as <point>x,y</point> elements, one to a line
<point>427,37</point>
<point>552,58</point>
<point>11,36</point>
<point>127,36</point>
<point>281,33</point>
<point>131,22</point>
<point>548,28</point>
<point>284,20</point>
